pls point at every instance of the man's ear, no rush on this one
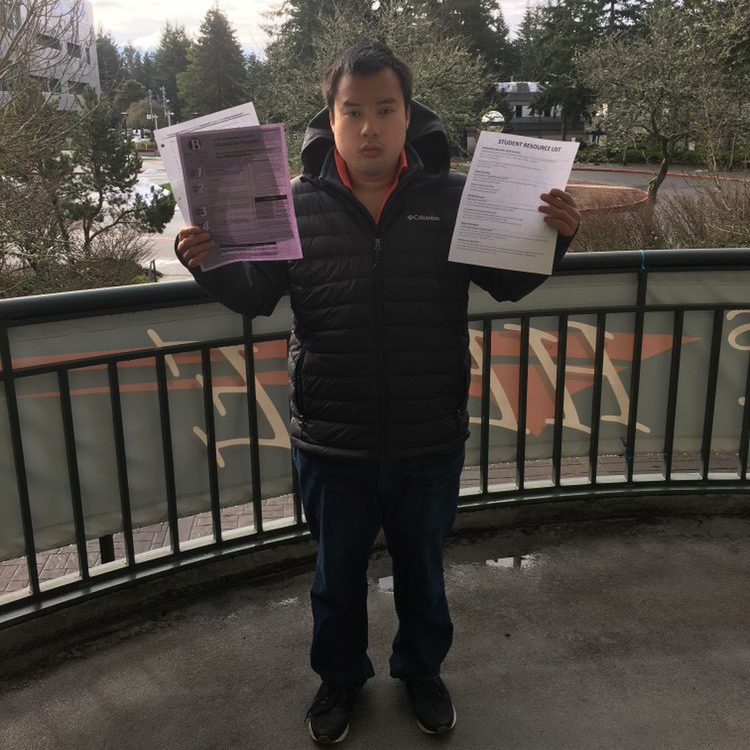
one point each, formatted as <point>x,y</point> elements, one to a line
<point>408,116</point>
<point>330,117</point>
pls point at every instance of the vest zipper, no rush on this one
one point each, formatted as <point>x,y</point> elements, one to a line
<point>298,386</point>
<point>376,254</point>
<point>377,280</point>
<point>380,364</point>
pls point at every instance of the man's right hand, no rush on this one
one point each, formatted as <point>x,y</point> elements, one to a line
<point>193,245</point>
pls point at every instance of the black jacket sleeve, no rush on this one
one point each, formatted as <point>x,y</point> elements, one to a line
<point>515,285</point>
<point>248,288</point>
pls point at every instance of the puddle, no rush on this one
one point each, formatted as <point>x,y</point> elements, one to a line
<point>386,584</point>
<point>286,602</point>
<point>467,570</point>
<point>519,562</point>
<point>506,562</point>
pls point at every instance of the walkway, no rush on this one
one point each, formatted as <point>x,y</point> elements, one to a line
<point>624,636</point>
<point>63,561</point>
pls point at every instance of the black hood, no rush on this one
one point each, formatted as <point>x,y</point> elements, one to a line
<point>425,134</point>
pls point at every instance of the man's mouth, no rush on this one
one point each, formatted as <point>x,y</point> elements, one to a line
<point>370,150</point>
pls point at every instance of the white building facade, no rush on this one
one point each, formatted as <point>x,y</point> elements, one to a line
<point>53,42</point>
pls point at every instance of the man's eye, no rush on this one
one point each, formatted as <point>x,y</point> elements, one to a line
<point>351,113</point>
<point>387,110</point>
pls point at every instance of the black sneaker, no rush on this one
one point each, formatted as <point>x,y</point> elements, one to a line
<point>432,705</point>
<point>328,717</point>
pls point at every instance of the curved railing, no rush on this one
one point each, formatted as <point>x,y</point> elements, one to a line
<point>138,408</point>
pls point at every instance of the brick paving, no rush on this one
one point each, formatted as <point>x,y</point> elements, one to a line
<point>63,561</point>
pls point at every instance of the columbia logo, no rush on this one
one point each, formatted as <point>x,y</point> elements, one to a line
<point>422,217</point>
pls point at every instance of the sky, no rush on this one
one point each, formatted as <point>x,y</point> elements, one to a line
<point>141,21</point>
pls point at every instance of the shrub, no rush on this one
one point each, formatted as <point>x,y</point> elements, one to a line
<point>719,216</point>
<point>144,145</point>
<point>594,153</point>
<point>114,259</point>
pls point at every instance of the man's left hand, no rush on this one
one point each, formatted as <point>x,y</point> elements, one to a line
<point>561,212</point>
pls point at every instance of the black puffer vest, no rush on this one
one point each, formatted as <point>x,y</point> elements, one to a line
<point>379,362</point>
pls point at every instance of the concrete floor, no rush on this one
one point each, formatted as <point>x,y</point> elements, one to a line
<point>617,635</point>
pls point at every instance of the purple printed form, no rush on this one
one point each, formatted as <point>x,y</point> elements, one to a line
<point>238,190</point>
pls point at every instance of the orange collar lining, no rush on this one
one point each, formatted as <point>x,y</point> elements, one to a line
<point>344,175</point>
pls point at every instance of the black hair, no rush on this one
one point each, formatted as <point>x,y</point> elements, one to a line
<point>363,59</point>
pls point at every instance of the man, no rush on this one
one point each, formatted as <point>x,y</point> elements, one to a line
<point>379,369</point>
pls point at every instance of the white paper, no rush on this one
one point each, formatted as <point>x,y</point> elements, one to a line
<point>166,139</point>
<point>498,223</point>
<point>238,190</point>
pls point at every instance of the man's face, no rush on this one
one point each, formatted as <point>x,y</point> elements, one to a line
<point>369,122</point>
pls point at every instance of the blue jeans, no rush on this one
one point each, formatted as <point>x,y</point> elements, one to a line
<point>346,503</point>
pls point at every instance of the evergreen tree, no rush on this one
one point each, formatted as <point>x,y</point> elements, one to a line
<point>69,219</point>
<point>215,77</point>
<point>620,15</point>
<point>256,76</point>
<point>299,22</point>
<point>553,33</point>
<point>131,62</point>
<point>99,195</point>
<point>147,71</point>
<point>110,63</point>
<point>480,23</point>
<point>171,59</point>
<point>526,45</point>
<point>136,66</point>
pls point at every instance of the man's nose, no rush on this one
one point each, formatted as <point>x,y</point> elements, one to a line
<point>369,125</point>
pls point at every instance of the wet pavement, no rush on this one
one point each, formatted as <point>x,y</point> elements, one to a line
<point>574,637</point>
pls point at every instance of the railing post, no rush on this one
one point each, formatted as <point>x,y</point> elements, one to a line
<point>166,439</point>
<point>635,377</point>
<point>484,450</point>
<point>73,474</point>
<point>596,398</point>
<point>122,467</point>
<point>107,548</point>
<point>674,381</point>
<point>713,375</point>
<point>523,391</point>
<point>213,472</point>
<point>562,355</point>
<point>252,418</point>
<point>18,457</point>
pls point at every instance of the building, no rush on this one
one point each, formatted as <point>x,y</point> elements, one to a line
<point>54,42</point>
<point>527,120</point>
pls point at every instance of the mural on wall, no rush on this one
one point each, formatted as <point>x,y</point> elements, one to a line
<point>94,428</point>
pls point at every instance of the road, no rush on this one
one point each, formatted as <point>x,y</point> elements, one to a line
<point>639,176</point>
<point>162,246</point>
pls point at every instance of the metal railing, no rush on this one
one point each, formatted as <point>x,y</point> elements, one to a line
<point>514,349</point>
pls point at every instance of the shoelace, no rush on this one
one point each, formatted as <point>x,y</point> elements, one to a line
<point>326,702</point>
<point>432,690</point>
